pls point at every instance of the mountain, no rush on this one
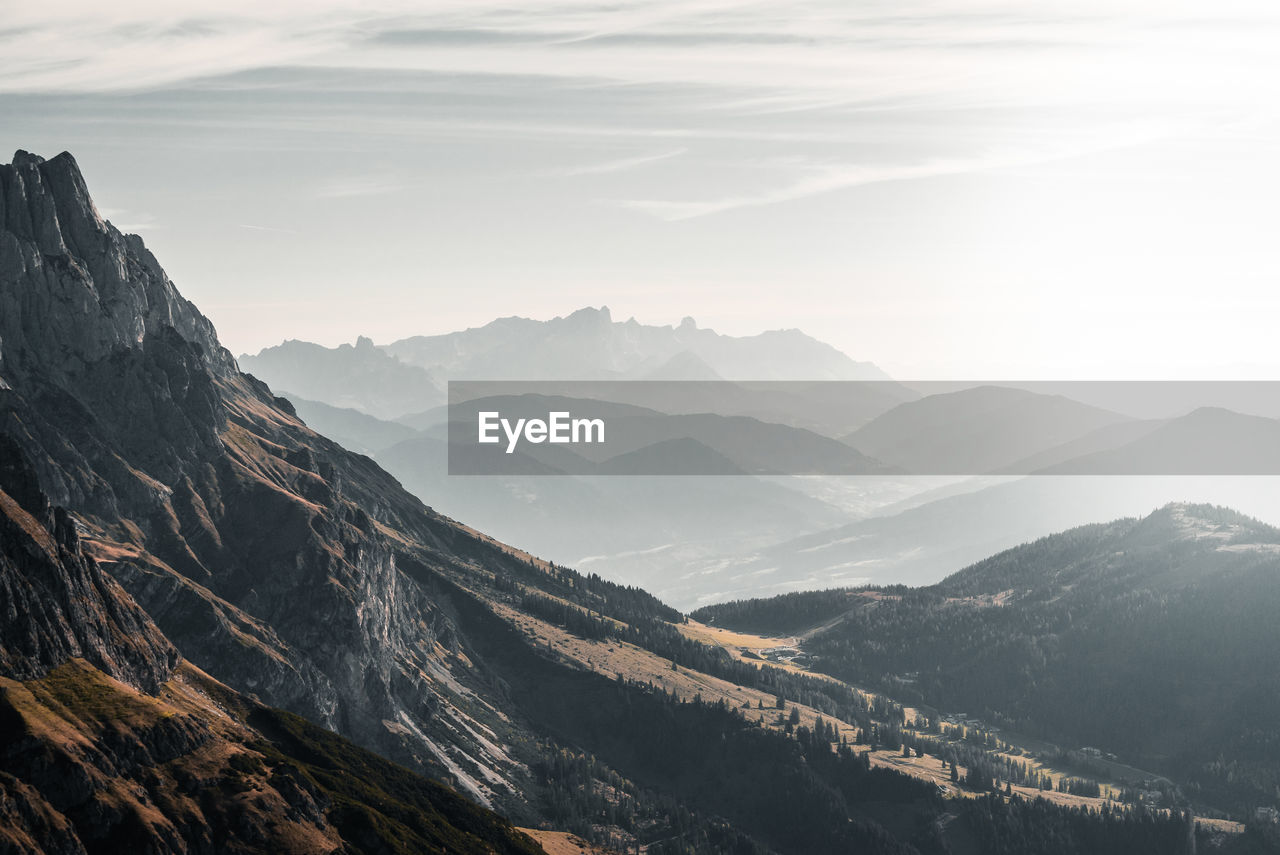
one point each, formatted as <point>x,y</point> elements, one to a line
<point>641,528</point>
<point>1206,441</point>
<point>362,377</point>
<point>685,366</point>
<point>406,376</point>
<point>1148,638</point>
<point>112,743</point>
<point>589,345</point>
<point>638,528</point>
<point>297,574</point>
<point>352,429</point>
<point>59,604</point>
<point>303,575</point>
<point>753,446</point>
<point>976,431</point>
<point>268,554</point>
<point>920,541</point>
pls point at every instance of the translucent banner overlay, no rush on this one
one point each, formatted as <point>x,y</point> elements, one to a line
<point>617,428</point>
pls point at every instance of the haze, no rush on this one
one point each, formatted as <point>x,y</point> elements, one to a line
<point>949,189</point>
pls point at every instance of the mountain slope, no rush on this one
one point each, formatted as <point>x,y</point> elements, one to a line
<point>571,519</point>
<point>350,428</point>
<point>975,431</point>
<point>267,552</point>
<point>1206,441</point>
<point>109,743</point>
<point>1149,638</point>
<point>930,537</point>
<point>58,604</point>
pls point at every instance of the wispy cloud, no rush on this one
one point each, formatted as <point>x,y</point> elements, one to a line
<point>346,188</point>
<point>272,229</point>
<point>620,165</point>
<point>807,47</point>
<point>938,84</point>
<point>826,178</point>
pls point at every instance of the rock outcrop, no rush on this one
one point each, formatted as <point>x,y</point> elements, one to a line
<point>58,604</point>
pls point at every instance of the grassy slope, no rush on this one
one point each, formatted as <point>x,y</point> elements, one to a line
<point>202,763</point>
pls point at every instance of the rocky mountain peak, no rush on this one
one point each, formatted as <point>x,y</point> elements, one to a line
<point>73,288</point>
<point>590,317</point>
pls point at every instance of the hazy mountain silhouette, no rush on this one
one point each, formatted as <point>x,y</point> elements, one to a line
<point>589,345</point>
<point>924,542</point>
<point>1208,440</point>
<point>975,431</point>
<point>406,376</point>
<point>360,377</point>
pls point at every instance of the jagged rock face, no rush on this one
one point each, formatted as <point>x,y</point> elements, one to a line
<point>108,743</point>
<point>57,604</point>
<point>269,555</point>
<point>95,290</point>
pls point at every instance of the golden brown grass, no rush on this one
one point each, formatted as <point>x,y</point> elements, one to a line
<point>611,658</point>
<point>563,843</point>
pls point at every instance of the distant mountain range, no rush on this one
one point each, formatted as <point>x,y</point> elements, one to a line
<point>660,522</point>
<point>1206,441</point>
<point>977,430</point>
<point>695,542</point>
<point>407,376</point>
<point>589,345</point>
<point>360,377</point>
<point>932,533</point>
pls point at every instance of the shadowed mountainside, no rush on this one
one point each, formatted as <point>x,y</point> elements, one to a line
<point>110,743</point>
<point>1149,638</point>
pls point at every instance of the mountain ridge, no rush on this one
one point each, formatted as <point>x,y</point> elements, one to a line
<point>1144,636</point>
<point>407,376</point>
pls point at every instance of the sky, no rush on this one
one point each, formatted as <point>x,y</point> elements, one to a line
<point>948,189</point>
